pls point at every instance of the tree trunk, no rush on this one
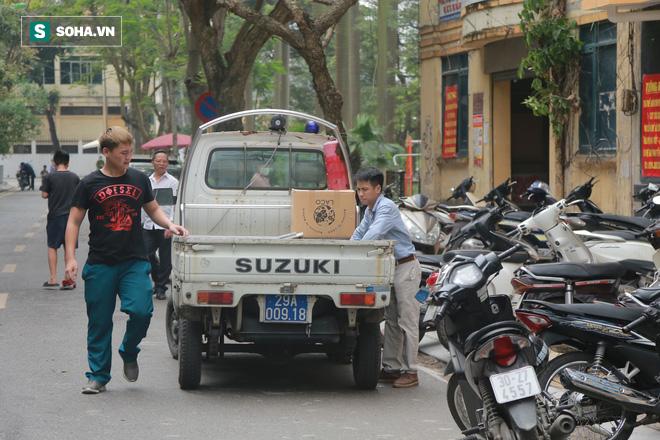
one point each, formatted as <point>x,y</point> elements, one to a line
<point>342,66</point>
<point>51,128</point>
<point>227,73</point>
<point>353,98</point>
<point>281,80</point>
<point>387,40</point>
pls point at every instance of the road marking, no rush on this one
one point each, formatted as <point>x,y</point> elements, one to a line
<point>3,300</point>
<point>19,248</point>
<point>9,268</point>
<point>29,234</point>
<point>6,193</point>
<point>432,373</point>
<point>36,225</point>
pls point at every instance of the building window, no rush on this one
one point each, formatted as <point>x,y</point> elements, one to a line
<point>81,70</point>
<point>49,72</point>
<point>455,73</point>
<point>81,111</point>
<point>23,149</point>
<point>598,88</point>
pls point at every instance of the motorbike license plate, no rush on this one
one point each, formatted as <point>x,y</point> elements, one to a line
<point>286,308</point>
<point>515,385</point>
<point>430,313</point>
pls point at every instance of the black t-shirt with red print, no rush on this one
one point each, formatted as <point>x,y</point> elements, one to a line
<point>113,209</point>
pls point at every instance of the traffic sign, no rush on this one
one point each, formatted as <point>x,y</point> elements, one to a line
<point>205,107</point>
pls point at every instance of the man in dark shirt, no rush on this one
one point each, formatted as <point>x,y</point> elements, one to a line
<point>58,188</point>
<point>117,263</point>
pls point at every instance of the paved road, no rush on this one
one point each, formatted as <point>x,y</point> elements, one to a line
<point>43,361</point>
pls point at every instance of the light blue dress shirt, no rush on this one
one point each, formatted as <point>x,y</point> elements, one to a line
<point>384,223</point>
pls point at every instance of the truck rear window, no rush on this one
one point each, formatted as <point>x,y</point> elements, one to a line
<point>261,168</point>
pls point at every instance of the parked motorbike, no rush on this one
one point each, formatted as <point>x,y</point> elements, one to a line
<point>582,246</point>
<point>23,179</point>
<point>609,373</point>
<point>493,388</point>
<point>425,223</point>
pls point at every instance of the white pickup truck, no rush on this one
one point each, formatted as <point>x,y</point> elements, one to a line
<point>242,275</point>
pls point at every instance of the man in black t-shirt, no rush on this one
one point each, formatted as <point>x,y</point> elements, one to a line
<point>58,188</point>
<point>117,263</point>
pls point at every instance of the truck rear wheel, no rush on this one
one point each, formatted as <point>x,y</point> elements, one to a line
<point>190,354</point>
<point>366,356</point>
<point>172,329</point>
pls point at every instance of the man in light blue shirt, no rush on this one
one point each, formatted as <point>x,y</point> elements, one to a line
<point>382,221</point>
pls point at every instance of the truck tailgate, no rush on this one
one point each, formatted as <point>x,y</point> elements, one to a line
<point>277,261</point>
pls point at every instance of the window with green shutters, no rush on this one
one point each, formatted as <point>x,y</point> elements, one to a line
<point>598,88</point>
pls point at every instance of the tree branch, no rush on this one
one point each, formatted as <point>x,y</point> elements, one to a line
<point>264,21</point>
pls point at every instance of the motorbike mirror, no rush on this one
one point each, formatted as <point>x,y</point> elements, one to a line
<point>656,200</point>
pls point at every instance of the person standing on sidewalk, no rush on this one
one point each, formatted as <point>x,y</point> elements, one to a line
<point>58,188</point>
<point>157,238</point>
<point>117,264</point>
<point>382,221</point>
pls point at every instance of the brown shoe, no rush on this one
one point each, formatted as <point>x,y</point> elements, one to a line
<point>406,380</point>
<point>388,377</point>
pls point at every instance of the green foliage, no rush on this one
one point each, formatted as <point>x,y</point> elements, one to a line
<point>366,140</point>
<point>553,51</point>
<point>17,123</point>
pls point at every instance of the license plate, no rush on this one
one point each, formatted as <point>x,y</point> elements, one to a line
<point>515,385</point>
<point>286,308</point>
<point>431,311</point>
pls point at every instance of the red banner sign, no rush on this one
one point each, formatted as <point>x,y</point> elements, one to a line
<point>651,126</point>
<point>451,119</point>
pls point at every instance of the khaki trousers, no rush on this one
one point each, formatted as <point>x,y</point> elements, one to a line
<point>402,320</point>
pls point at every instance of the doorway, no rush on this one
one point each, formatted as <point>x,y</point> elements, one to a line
<point>530,143</point>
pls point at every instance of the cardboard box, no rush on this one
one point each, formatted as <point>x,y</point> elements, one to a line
<point>323,214</point>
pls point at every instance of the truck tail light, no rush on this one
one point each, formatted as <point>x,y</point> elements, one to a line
<point>208,297</point>
<point>357,299</point>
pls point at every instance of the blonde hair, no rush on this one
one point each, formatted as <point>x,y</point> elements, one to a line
<point>115,136</point>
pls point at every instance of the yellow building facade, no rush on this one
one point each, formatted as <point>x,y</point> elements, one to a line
<point>488,133</point>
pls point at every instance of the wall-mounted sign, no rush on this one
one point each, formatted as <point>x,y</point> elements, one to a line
<point>651,126</point>
<point>478,127</point>
<point>449,10</point>
<point>451,119</point>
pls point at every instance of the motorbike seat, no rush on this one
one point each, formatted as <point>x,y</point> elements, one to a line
<point>431,260</point>
<point>519,257</point>
<point>637,265</point>
<point>647,294</point>
<point>607,311</point>
<point>626,235</point>
<point>577,271</point>
<point>472,342</point>
<point>639,222</point>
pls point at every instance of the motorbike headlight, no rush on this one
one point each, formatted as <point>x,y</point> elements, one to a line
<point>415,231</point>
<point>466,275</point>
<point>434,234</point>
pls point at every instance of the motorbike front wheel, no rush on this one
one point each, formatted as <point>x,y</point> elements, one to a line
<point>596,420</point>
<point>456,404</point>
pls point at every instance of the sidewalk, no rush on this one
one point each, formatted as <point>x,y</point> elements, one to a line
<point>8,184</point>
<point>431,346</point>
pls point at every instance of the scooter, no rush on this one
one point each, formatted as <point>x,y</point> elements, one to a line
<point>609,373</point>
<point>493,390</point>
<point>427,225</point>
<point>582,246</point>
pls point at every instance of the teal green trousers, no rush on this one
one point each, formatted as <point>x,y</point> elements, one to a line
<point>130,280</point>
